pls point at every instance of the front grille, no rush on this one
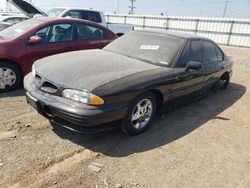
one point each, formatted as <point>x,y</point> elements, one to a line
<point>46,86</point>
<point>49,88</point>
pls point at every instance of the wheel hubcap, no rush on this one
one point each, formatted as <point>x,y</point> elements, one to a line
<point>7,77</point>
<point>141,114</point>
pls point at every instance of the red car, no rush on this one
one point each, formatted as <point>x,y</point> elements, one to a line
<point>25,42</point>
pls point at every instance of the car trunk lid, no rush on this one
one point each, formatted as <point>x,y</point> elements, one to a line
<point>26,8</point>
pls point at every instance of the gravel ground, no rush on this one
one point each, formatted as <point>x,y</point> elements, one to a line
<point>202,144</point>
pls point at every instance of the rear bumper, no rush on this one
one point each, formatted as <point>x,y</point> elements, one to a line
<point>73,115</point>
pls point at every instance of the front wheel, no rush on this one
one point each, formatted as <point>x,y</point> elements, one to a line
<point>10,77</point>
<point>140,114</point>
<point>225,81</point>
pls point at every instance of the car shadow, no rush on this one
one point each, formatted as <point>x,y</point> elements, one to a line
<point>178,123</point>
<point>16,93</point>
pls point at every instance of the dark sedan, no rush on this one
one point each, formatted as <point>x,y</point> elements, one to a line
<point>131,80</point>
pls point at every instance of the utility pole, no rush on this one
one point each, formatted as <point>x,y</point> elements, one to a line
<point>117,6</point>
<point>132,7</point>
<point>225,9</point>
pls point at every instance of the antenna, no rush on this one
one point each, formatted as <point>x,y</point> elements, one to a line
<point>132,7</point>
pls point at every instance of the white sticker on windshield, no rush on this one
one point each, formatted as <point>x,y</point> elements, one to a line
<point>149,47</point>
<point>18,30</point>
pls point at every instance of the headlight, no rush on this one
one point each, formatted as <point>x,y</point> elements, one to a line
<point>33,71</point>
<point>81,96</point>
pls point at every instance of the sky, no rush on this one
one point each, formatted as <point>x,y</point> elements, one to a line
<point>208,8</point>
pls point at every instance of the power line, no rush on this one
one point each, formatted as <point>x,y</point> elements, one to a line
<point>132,7</point>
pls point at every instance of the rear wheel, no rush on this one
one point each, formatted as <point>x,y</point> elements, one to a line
<point>140,114</point>
<point>10,77</point>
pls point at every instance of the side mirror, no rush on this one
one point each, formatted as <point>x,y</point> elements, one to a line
<point>193,65</point>
<point>35,40</point>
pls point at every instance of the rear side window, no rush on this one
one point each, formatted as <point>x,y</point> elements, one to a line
<point>87,32</point>
<point>210,54</point>
<point>191,52</point>
<point>92,16</point>
<point>219,54</point>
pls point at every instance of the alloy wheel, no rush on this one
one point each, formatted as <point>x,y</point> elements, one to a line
<point>141,114</point>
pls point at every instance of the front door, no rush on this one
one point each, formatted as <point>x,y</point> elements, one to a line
<point>57,38</point>
<point>187,82</point>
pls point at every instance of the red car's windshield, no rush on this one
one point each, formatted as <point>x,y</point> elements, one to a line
<point>18,29</point>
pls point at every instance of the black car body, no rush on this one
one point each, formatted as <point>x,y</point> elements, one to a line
<point>142,68</point>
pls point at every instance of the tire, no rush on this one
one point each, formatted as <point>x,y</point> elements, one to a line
<point>225,80</point>
<point>138,120</point>
<point>10,77</point>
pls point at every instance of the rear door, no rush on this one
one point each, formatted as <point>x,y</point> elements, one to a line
<point>213,63</point>
<point>90,37</point>
<point>57,38</point>
<point>187,82</point>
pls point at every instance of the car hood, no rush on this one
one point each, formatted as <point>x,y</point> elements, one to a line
<point>89,69</point>
<point>26,8</point>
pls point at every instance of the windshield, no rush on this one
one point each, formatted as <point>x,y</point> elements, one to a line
<point>54,12</point>
<point>18,29</point>
<point>149,47</point>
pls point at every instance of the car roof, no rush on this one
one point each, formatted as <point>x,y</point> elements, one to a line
<point>76,8</point>
<point>174,34</point>
<point>55,19</point>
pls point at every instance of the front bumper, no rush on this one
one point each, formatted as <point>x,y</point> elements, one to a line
<point>70,114</point>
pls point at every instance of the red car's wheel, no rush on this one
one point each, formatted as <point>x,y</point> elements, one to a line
<point>10,77</point>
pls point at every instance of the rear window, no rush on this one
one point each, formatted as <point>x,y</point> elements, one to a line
<point>92,16</point>
<point>55,12</point>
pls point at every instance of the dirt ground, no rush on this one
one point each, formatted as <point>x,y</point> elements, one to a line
<point>202,144</point>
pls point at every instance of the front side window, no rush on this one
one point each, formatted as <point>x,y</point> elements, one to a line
<point>56,33</point>
<point>44,34</point>
<point>210,54</point>
<point>192,52</point>
<point>87,32</point>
